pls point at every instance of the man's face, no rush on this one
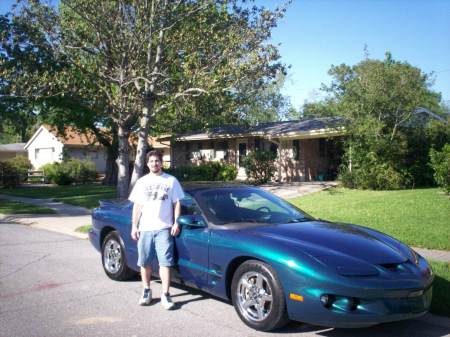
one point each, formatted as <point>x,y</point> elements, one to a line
<point>154,164</point>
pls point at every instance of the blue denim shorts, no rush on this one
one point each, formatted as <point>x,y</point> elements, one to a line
<point>157,243</point>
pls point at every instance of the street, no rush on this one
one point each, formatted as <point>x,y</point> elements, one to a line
<point>53,285</point>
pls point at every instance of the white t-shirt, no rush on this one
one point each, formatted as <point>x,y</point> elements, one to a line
<point>156,194</point>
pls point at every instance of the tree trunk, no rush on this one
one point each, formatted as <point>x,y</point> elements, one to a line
<point>139,163</point>
<point>123,162</point>
<point>111,167</point>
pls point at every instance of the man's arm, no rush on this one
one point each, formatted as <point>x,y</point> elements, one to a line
<point>176,213</point>
<point>137,210</point>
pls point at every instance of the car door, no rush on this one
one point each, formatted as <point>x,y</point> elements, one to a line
<point>192,247</point>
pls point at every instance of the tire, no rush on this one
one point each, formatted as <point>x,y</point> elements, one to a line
<point>258,296</point>
<point>113,258</point>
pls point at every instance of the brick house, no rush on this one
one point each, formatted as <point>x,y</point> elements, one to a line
<point>306,150</point>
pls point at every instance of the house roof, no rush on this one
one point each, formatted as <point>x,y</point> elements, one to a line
<point>73,136</point>
<point>310,128</point>
<point>14,147</point>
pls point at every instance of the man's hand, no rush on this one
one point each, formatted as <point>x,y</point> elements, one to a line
<point>175,230</point>
<point>134,233</point>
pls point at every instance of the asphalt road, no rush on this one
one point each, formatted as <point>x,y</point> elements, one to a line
<point>53,285</point>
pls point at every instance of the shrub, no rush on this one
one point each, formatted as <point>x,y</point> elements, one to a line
<point>376,177</point>
<point>70,171</point>
<point>211,171</point>
<point>14,171</point>
<point>259,166</point>
<point>440,162</point>
<point>228,172</point>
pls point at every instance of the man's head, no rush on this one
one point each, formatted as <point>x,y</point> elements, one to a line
<point>154,161</point>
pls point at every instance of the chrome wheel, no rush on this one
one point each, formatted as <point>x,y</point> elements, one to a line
<point>254,296</point>
<point>112,256</point>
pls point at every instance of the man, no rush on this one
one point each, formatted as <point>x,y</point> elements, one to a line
<point>156,197</point>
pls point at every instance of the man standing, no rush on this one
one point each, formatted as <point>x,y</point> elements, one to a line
<point>156,197</point>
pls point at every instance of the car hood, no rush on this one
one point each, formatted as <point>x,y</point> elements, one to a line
<point>334,243</point>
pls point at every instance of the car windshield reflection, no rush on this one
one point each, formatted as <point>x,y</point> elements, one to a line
<point>240,205</point>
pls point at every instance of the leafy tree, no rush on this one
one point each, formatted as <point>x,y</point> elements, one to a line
<point>380,99</point>
<point>147,58</point>
<point>440,162</point>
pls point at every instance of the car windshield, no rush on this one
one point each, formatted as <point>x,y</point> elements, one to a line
<point>246,204</point>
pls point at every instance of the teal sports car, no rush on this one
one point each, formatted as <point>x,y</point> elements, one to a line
<point>276,263</point>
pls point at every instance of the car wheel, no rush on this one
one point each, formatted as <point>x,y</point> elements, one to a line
<point>113,258</point>
<point>258,296</point>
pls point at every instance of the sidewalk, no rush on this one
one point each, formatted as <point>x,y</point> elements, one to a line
<point>69,218</point>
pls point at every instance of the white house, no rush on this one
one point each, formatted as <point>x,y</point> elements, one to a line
<point>47,146</point>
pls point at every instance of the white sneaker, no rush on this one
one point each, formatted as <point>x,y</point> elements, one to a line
<point>146,297</point>
<point>166,302</point>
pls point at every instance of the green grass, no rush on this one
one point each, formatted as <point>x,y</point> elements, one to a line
<point>80,195</point>
<point>83,229</point>
<point>440,304</point>
<point>14,207</point>
<point>419,217</point>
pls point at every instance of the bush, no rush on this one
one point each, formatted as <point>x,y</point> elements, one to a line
<point>14,171</point>
<point>211,171</point>
<point>70,171</point>
<point>375,177</point>
<point>440,162</point>
<point>260,166</point>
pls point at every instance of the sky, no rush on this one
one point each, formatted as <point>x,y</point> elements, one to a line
<point>315,34</point>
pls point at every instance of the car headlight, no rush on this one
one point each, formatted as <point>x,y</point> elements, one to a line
<point>415,256</point>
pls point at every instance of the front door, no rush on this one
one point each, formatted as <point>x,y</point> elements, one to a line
<point>241,154</point>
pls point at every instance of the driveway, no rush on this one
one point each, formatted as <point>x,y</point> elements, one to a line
<point>53,285</point>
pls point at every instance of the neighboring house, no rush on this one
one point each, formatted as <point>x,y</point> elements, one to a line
<point>306,149</point>
<point>9,151</point>
<point>47,146</point>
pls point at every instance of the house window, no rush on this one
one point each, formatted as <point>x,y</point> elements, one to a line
<point>44,154</point>
<point>93,155</point>
<point>296,149</point>
<point>221,150</point>
<point>257,144</point>
<point>199,146</point>
<point>187,154</point>
<point>322,147</point>
<point>274,149</point>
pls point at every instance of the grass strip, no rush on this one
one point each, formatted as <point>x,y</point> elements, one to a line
<point>14,207</point>
<point>440,305</point>
<point>83,229</point>
<point>417,217</point>
<point>79,195</point>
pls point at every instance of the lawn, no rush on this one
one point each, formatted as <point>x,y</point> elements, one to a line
<point>13,207</point>
<point>79,195</point>
<point>441,289</point>
<point>419,217</point>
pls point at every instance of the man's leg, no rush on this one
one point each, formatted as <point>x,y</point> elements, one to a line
<point>146,251</point>
<point>164,250</point>
<point>146,275</point>
<point>164,273</point>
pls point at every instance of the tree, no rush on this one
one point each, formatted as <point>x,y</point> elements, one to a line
<point>149,57</point>
<point>379,99</point>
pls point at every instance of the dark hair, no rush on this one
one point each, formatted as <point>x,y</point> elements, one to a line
<point>154,153</point>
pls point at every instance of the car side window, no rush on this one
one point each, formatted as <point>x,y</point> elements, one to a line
<point>189,206</point>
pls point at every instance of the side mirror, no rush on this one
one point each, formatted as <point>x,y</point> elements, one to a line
<point>191,221</point>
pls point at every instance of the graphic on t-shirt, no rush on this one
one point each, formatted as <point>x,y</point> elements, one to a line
<point>157,192</point>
